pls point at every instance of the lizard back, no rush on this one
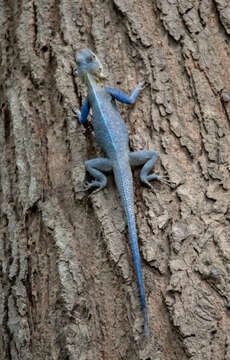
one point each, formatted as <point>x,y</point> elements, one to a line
<point>110,130</point>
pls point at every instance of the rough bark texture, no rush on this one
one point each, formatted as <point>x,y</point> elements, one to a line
<point>68,288</point>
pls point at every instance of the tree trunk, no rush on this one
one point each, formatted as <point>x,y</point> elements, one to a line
<point>68,288</point>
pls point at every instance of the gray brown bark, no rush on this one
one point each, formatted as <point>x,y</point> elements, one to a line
<point>67,283</point>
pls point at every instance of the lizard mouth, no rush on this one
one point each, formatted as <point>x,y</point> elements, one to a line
<point>96,74</point>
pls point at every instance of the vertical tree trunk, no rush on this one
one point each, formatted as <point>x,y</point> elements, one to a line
<point>67,284</point>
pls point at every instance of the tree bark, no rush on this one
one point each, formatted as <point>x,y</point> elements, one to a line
<point>67,284</point>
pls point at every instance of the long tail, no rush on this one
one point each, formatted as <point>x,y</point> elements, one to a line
<point>124,182</point>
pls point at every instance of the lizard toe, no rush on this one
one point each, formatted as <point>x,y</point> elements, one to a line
<point>146,182</point>
<point>165,180</point>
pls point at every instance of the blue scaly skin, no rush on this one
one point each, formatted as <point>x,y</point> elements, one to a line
<point>112,136</point>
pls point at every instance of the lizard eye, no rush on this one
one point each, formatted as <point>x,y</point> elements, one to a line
<point>90,58</point>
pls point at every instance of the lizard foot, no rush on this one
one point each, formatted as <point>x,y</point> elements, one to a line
<point>77,113</point>
<point>99,186</point>
<point>164,179</point>
<point>96,191</point>
<point>146,182</point>
<point>141,85</point>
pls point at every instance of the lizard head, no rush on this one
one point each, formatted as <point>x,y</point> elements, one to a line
<point>88,63</point>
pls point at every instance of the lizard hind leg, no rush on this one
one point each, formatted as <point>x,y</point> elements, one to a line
<point>148,159</point>
<point>96,167</point>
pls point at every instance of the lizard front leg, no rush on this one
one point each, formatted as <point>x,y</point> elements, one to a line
<point>124,98</point>
<point>83,113</point>
<point>148,159</point>
<point>96,167</point>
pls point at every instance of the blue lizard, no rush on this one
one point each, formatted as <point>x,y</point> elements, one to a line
<point>112,136</point>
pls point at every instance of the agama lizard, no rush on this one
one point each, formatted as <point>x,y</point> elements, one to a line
<point>112,136</point>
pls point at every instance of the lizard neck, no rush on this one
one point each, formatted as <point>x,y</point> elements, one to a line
<point>93,82</point>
